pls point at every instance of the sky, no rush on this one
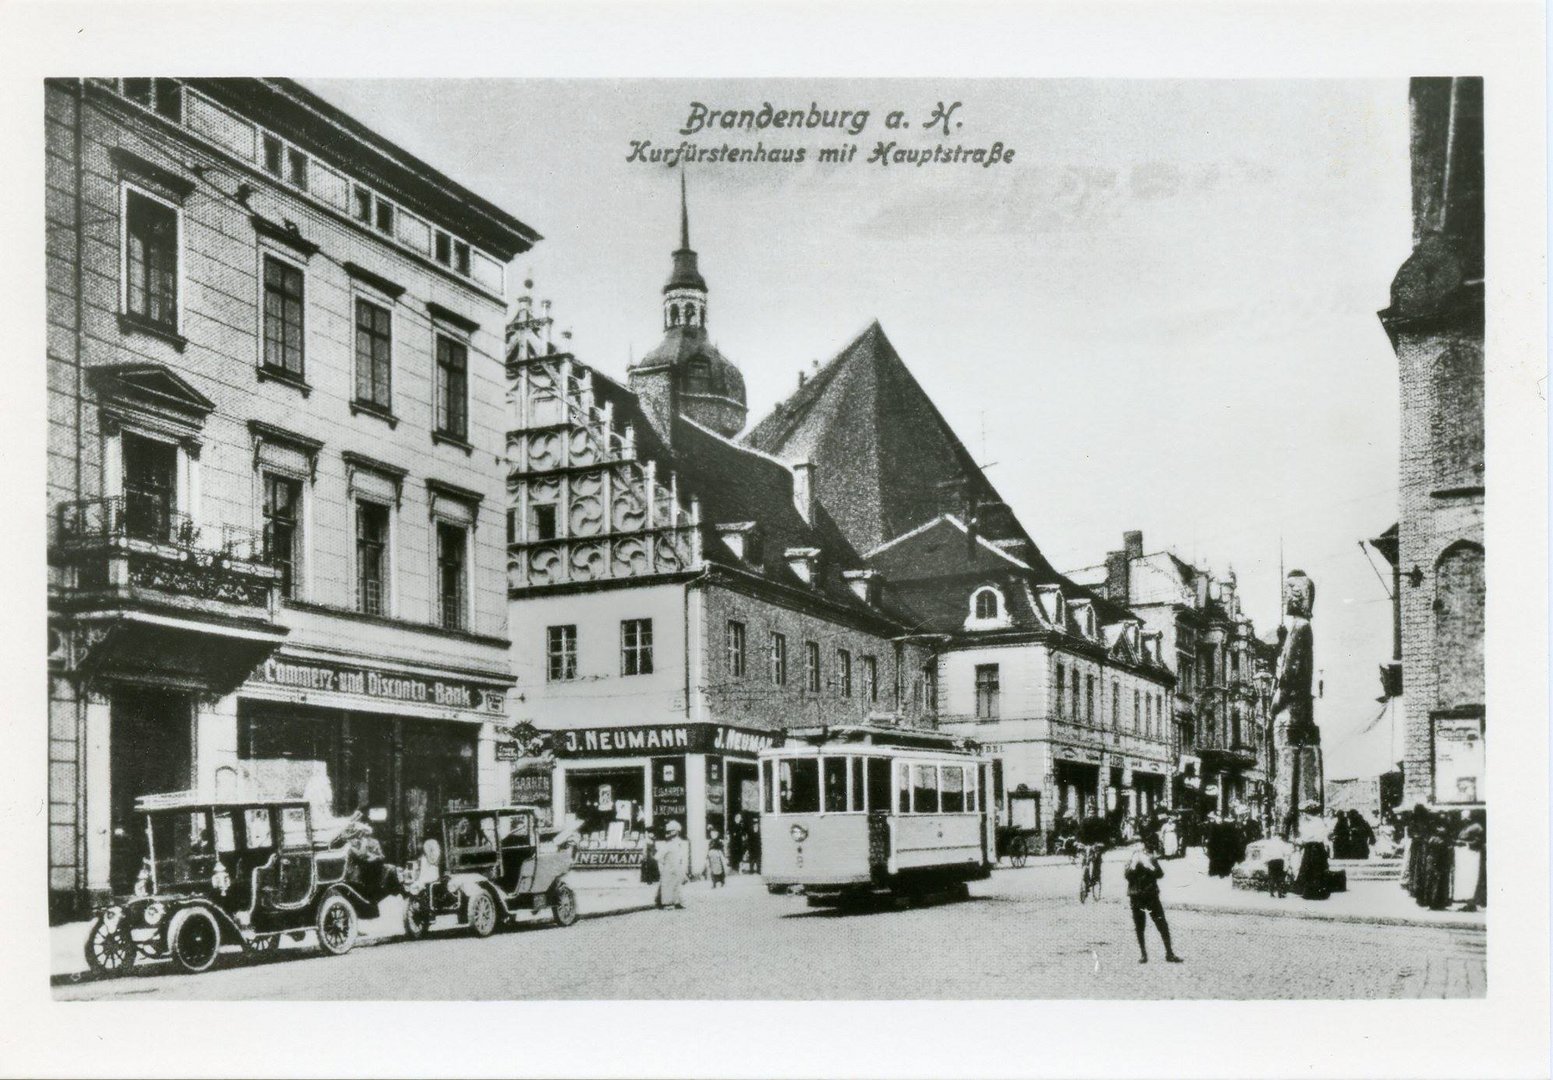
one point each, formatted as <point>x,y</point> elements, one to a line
<point>1158,315</point>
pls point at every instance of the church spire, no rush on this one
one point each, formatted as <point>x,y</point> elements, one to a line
<point>684,296</point>
<point>684,215</point>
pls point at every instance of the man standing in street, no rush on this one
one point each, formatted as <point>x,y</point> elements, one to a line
<point>1143,873</point>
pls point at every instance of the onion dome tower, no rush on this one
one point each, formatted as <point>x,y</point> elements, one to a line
<point>685,373</point>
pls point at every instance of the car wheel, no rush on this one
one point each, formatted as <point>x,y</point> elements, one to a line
<point>109,951</point>
<point>565,906</point>
<point>415,922</point>
<point>482,914</point>
<point>193,939</point>
<point>336,925</point>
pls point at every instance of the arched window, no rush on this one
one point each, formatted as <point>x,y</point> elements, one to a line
<point>986,603</point>
<point>1458,626</point>
<point>673,314</point>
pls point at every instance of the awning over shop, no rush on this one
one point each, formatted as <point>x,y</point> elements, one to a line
<point>210,657</point>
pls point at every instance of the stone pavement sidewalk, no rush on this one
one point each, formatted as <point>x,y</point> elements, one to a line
<point>599,892</point>
<point>1187,886</point>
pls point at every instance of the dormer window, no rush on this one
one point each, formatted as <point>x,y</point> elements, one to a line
<point>988,609</point>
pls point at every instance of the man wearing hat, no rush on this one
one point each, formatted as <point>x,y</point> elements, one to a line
<point>673,867</point>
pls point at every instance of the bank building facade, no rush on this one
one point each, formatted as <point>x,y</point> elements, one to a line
<point>275,501</point>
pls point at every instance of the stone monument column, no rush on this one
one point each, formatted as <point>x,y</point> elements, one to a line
<point>1300,782</point>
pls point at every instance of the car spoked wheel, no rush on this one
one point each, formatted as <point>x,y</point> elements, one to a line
<point>336,925</point>
<point>417,919</point>
<point>109,951</point>
<point>193,939</point>
<point>565,906</point>
<point>482,914</point>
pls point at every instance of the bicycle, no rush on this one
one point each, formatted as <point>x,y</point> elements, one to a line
<point>1089,884</point>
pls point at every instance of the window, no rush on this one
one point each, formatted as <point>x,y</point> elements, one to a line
<point>768,789</point>
<point>879,784</point>
<point>150,259</point>
<point>541,521</point>
<point>361,205</point>
<point>798,786</point>
<point>1116,704</point>
<point>452,573</point>
<point>811,666</point>
<point>296,167</point>
<point>282,316</point>
<point>561,653</point>
<point>951,785</point>
<point>274,152</point>
<point>903,787</point>
<point>924,789</point>
<point>1459,626</point>
<point>372,558</point>
<point>1062,675</point>
<point>986,691</point>
<point>1076,712</point>
<point>985,603</point>
<point>871,678</point>
<point>844,672</point>
<point>383,218</point>
<point>1089,699</point>
<point>512,526</point>
<point>1148,715</point>
<point>163,95</point>
<point>452,387</point>
<point>283,528</point>
<point>735,643</point>
<point>150,488</point>
<point>444,248</point>
<point>461,257</point>
<point>835,774</point>
<point>1137,711</point>
<point>374,352</point>
<point>779,659</point>
<point>636,647</point>
<point>859,787</point>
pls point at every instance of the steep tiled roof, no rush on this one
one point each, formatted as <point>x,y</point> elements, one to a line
<point>880,446</point>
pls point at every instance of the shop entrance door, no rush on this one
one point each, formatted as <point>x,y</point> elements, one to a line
<point>149,751</point>
<point>743,791</point>
<point>438,773</point>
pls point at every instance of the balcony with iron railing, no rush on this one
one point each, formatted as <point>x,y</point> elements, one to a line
<point>136,549</point>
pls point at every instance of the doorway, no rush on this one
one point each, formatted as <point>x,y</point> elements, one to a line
<point>150,743</point>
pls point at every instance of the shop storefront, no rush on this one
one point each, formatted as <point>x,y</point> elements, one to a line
<point>399,748</point>
<point>1078,788</point>
<point>618,785</point>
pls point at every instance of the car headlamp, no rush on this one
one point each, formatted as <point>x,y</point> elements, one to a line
<point>154,912</point>
<point>798,833</point>
<point>219,880</point>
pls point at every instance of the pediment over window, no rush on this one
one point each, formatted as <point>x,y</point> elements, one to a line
<point>150,395</point>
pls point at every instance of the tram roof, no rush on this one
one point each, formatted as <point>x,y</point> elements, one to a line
<point>867,736</point>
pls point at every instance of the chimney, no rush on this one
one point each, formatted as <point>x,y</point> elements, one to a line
<point>864,584</point>
<point>1132,544</point>
<point>804,495</point>
<point>1117,575</point>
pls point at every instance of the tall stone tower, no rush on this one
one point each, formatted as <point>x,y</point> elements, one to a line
<point>685,374</point>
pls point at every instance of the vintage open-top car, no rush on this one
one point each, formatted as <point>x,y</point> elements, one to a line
<point>498,865</point>
<point>241,873</point>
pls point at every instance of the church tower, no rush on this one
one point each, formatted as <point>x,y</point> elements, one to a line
<point>685,374</point>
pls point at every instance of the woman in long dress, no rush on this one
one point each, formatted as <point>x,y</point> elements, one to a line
<point>673,867</point>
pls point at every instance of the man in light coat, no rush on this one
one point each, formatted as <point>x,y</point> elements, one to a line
<point>673,856</point>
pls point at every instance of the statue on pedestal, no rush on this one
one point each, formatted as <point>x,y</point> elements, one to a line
<point>1299,779</point>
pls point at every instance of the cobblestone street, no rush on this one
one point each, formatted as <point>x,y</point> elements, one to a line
<point>1023,934</point>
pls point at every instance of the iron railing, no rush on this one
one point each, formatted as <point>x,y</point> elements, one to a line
<point>140,516</point>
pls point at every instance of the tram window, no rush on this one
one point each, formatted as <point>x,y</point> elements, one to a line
<point>970,789</point>
<point>924,789</point>
<point>951,783</point>
<point>770,788</point>
<point>857,784</point>
<point>799,789</point>
<point>903,788</point>
<point>835,770</point>
<point>879,784</point>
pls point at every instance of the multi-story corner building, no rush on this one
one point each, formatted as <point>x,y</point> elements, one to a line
<point>275,488</point>
<point>677,600</point>
<point>1220,711</point>
<point>1435,323</point>
<point>1065,684</point>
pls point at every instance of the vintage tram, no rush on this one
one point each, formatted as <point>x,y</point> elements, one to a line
<point>849,812</point>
